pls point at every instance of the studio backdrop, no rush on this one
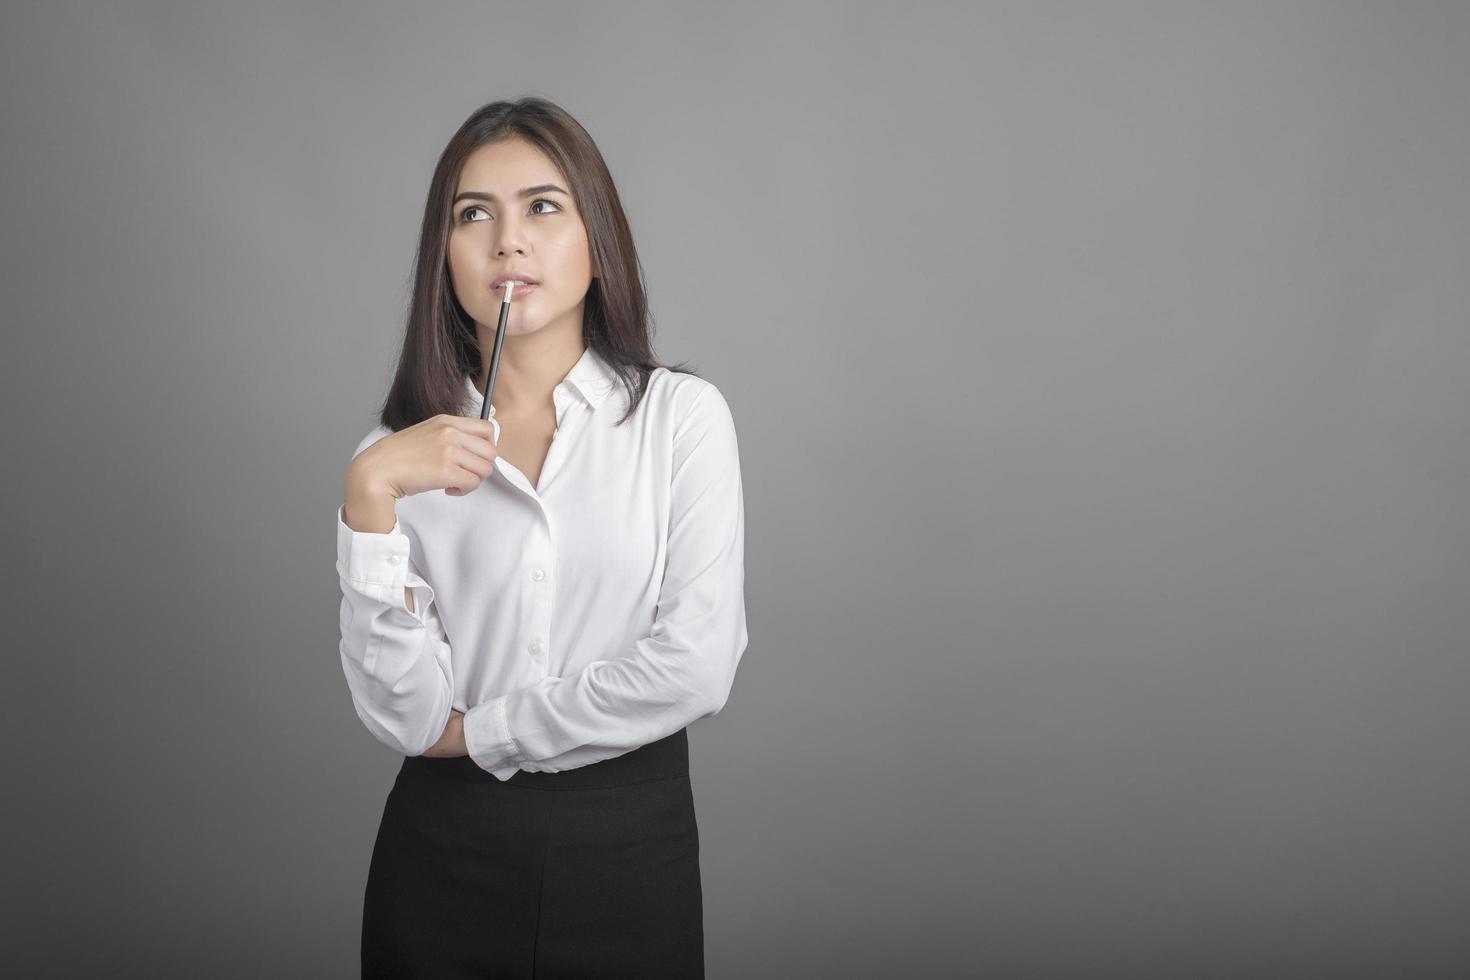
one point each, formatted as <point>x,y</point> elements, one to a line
<point>1099,373</point>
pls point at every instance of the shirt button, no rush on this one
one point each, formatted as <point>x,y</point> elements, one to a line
<point>392,559</point>
<point>535,647</point>
<point>537,574</point>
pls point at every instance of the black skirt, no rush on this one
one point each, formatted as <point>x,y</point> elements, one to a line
<point>589,872</point>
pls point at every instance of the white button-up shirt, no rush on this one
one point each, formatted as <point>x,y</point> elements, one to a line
<point>572,621</point>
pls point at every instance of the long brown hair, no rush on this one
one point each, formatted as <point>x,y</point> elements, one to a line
<point>440,348</point>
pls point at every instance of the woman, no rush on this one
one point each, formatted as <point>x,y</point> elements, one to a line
<point>535,608</point>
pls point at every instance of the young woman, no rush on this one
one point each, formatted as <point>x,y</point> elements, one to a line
<point>533,614</point>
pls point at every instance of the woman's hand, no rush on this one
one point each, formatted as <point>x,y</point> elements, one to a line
<point>451,743</point>
<point>447,452</point>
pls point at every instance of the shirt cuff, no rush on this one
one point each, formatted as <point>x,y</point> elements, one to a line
<point>488,740</point>
<point>371,557</point>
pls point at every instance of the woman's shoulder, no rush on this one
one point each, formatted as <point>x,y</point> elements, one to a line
<point>683,396</point>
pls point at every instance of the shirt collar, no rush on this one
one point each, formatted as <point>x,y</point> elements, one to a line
<point>591,377</point>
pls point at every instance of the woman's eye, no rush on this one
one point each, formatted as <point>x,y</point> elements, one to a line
<point>465,214</point>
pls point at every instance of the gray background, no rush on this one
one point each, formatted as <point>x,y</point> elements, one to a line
<point>1100,377</point>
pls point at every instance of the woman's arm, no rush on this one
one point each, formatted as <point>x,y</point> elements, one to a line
<point>684,668</point>
<point>451,743</point>
<point>394,652</point>
<point>373,514</point>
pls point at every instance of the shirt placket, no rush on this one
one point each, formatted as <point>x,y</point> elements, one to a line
<point>538,568</point>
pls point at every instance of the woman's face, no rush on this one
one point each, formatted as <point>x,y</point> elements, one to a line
<point>495,228</point>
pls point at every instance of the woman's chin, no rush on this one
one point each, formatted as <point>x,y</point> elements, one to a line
<point>515,326</point>
<point>519,329</point>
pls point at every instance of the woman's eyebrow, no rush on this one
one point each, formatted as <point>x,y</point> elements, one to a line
<point>486,196</point>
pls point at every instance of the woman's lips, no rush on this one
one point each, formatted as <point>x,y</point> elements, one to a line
<point>520,290</point>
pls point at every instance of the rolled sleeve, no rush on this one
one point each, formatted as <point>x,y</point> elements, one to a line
<point>488,740</point>
<point>375,558</point>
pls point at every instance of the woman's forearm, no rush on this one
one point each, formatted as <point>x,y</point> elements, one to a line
<point>451,743</point>
<point>368,508</point>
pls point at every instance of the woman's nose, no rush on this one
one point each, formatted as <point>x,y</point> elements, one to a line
<point>510,237</point>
